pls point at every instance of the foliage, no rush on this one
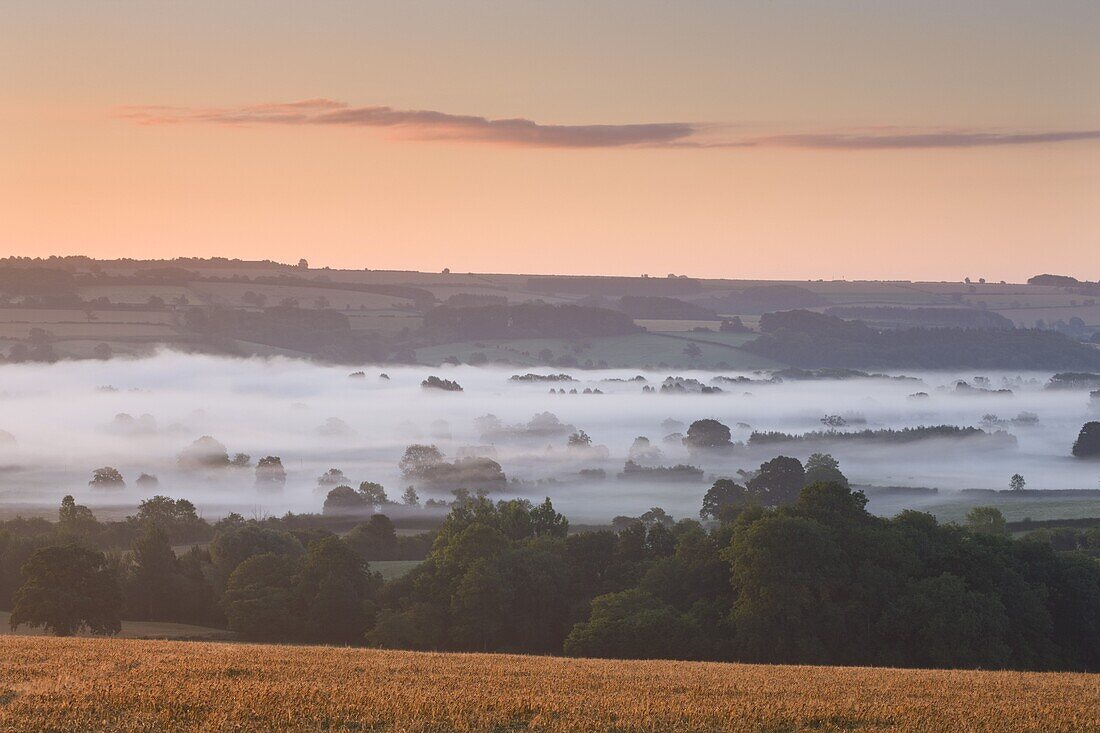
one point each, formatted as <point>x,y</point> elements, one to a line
<point>68,588</point>
<point>1087,444</point>
<point>986,520</point>
<point>807,339</point>
<point>107,478</point>
<point>447,385</point>
<point>778,481</point>
<point>706,434</point>
<point>204,453</point>
<point>270,472</point>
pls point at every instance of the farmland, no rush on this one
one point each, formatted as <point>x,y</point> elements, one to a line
<point>129,307</point>
<point>122,686</point>
<point>138,630</point>
<point>636,350</point>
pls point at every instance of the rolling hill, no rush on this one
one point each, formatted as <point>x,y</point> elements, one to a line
<point>109,685</point>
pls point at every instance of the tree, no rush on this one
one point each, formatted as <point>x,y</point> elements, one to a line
<point>1017,482</point>
<point>823,468</point>
<point>233,545</point>
<point>480,604</point>
<point>986,520</point>
<point>178,517</point>
<point>147,481</point>
<point>155,583</point>
<point>778,482</point>
<point>447,385</point>
<point>580,439</point>
<point>373,493</point>
<point>706,434</point>
<point>418,458</point>
<point>332,477</point>
<point>410,497</point>
<point>107,478</point>
<point>724,499</point>
<point>375,539</point>
<point>335,585</point>
<point>546,522</point>
<point>73,518</point>
<point>241,460</point>
<point>634,625</point>
<point>253,298</point>
<point>261,601</point>
<point>68,588</point>
<point>344,500</point>
<point>270,473</point>
<point>787,571</point>
<point>204,453</point>
<point>939,622</point>
<point>1088,441</point>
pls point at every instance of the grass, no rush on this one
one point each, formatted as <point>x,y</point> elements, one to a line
<point>1015,509</point>
<point>391,569</point>
<point>134,630</point>
<point>123,686</point>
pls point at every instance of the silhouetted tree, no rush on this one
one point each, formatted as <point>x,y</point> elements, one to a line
<point>987,520</point>
<point>778,481</point>
<point>707,434</point>
<point>107,478</point>
<point>270,473</point>
<point>67,589</point>
<point>1088,441</point>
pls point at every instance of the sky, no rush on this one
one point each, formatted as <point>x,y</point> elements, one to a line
<point>784,140</point>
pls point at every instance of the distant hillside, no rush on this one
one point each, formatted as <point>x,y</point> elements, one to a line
<point>55,308</point>
<point>764,299</point>
<point>120,686</point>
<point>657,307</point>
<point>1058,280</point>
<point>930,317</point>
<point>807,339</point>
<point>527,320</point>
<point>583,285</point>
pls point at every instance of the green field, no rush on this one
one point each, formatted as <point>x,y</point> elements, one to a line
<point>391,569</point>
<point>137,630</point>
<point>1015,510</point>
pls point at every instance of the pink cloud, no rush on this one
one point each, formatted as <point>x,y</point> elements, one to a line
<point>434,125</point>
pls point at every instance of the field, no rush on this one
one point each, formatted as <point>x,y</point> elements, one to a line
<point>1016,509</point>
<point>391,569</point>
<point>137,630</point>
<point>663,350</point>
<point>127,686</point>
<point>135,317</point>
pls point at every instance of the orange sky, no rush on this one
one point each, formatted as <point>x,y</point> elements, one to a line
<point>811,139</point>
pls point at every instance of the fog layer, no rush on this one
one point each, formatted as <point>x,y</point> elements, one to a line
<point>63,424</point>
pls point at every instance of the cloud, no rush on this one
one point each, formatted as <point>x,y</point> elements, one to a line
<point>923,139</point>
<point>521,132</point>
<point>422,124</point>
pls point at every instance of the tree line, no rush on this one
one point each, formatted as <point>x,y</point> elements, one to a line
<point>788,567</point>
<point>807,339</point>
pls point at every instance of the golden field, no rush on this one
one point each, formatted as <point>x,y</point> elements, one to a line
<point>51,684</point>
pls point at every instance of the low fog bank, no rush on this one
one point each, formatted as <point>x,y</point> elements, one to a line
<point>63,425</point>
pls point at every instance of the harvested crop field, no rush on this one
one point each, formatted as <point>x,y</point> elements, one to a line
<point>123,685</point>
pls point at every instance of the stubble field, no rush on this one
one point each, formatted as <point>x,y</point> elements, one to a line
<point>123,685</point>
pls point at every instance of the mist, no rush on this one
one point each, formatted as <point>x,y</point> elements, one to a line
<point>62,418</point>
